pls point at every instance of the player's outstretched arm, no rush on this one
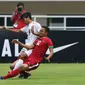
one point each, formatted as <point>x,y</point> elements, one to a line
<point>23,45</point>
<point>11,29</point>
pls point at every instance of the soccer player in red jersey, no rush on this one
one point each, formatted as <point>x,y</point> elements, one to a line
<point>39,47</point>
<point>18,23</point>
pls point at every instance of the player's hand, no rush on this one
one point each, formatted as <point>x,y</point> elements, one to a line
<point>3,27</point>
<point>32,30</point>
<point>47,59</point>
<point>15,41</point>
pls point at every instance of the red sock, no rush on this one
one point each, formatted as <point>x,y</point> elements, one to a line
<point>12,74</point>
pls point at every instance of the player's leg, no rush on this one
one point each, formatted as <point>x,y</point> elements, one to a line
<point>19,62</point>
<point>24,74</point>
<point>24,67</point>
<point>23,54</point>
<point>27,73</point>
<point>32,66</point>
<point>15,72</point>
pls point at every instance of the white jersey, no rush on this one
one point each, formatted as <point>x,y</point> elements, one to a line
<point>30,36</point>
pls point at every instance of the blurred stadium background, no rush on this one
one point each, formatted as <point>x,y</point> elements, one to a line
<point>66,19</point>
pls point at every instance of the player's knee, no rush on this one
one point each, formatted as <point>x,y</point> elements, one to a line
<point>25,66</point>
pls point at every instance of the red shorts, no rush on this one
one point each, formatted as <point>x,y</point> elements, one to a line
<point>33,64</point>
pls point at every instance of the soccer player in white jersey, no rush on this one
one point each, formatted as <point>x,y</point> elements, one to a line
<point>31,29</point>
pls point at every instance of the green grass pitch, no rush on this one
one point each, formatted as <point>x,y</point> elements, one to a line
<point>49,74</point>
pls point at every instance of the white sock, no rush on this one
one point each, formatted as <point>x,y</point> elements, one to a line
<point>18,64</point>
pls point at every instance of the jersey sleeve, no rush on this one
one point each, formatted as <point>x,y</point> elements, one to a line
<point>50,43</point>
<point>24,29</point>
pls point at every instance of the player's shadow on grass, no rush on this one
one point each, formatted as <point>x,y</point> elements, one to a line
<point>16,78</point>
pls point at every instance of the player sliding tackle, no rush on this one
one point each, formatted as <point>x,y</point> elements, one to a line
<point>39,47</point>
<point>31,37</point>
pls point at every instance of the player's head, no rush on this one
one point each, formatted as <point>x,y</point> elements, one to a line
<point>26,17</point>
<point>44,31</point>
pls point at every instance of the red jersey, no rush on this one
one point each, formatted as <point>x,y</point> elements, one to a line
<point>41,46</point>
<point>20,24</point>
<point>18,21</point>
<point>17,16</point>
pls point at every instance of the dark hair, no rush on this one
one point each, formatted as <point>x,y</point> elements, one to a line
<point>26,15</point>
<point>19,4</point>
<point>46,29</point>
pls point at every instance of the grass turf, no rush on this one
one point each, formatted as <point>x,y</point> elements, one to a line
<point>49,74</point>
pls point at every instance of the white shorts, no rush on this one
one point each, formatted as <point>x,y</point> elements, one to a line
<point>28,52</point>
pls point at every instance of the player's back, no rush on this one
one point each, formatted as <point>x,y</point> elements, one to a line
<point>31,37</point>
